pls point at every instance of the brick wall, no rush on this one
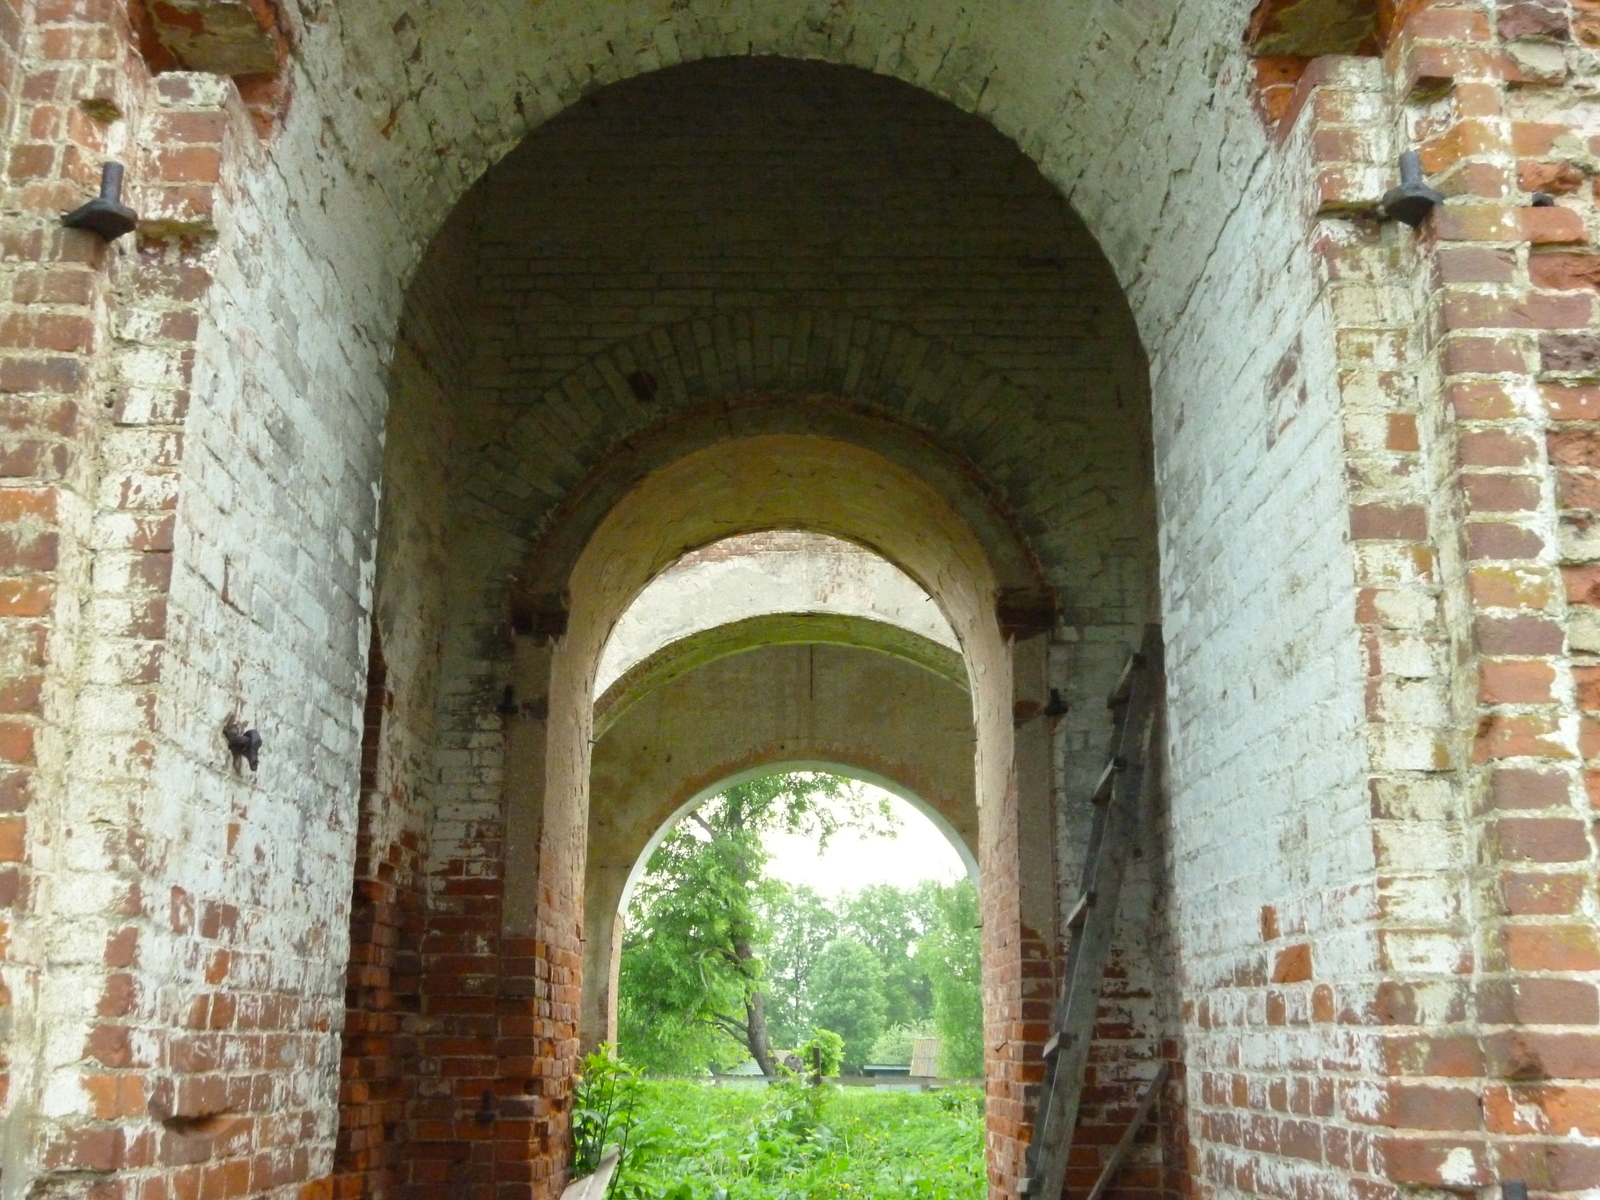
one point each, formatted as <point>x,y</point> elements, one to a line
<point>1371,459</point>
<point>566,311</point>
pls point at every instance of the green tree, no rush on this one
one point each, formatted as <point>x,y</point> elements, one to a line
<point>890,921</point>
<point>950,955</point>
<point>847,997</point>
<point>692,956</point>
<point>802,925</point>
<point>893,1046</point>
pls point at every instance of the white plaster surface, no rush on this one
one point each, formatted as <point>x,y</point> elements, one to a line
<point>758,574</point>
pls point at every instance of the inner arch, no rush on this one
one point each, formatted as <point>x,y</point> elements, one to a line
<point>844,770</point>
<point>766,575</point>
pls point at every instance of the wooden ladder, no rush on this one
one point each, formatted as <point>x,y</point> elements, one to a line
<point>1093,919</point>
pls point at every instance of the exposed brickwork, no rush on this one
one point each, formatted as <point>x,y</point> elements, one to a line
<point>756,319</point>
<point>378,1068</point>
<point>1373,453</point>
<point>1457,549</point>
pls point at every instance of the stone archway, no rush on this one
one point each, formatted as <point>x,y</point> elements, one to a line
<point>197,433</point>
<point>1031,437</point>
<point>844,708</point>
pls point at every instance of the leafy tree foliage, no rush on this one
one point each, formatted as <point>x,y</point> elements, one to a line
<point>950,956</point>
<point>848,997</point>
<point>890,921</point>
<point>692,958</point>
<point>721,962</point>
<point>802,925</point>
<point>893,1046</point>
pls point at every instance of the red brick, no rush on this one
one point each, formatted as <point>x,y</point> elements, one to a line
<point>1534,1001</point>
<point>1501,540</point>
<point>1559,178</point>
<point>1518,736</point>
<point>1383,522</point>
<point>1552,948</point>
<point>1560,1166</point>
<point>1475,264</point>
<point>1500,493</point>
<point>40,374</point>
<point>1432,1106</point>
<point>1495,448</point>
<point>1540,895</point>
<point>1574,447</point>
<point>26,597</point>
<point>1569,353</point>
<point>191,164</point>
<point>1515,682</point>
<point>1473,310</point>
<point>1519,635</point>
<point>1542,839</point>
<point>1292,964</point>
<point>1402,433</point>
<point>1551,226</point>
<point>1547,1109</point>
<point>1578,492</point>
<point>1530,1055</point>
<point>1478,355</point>
<point>1480,400</point>
<point>16,743</point>
<point>1564,271</point>
<point>13,839</point>
<point>1435,1162</point>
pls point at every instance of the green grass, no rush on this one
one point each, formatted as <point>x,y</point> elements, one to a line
<point>791,1143</point>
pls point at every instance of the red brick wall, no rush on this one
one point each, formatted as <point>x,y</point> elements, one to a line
<point>498,1040</point>
<point>1470,523</point>
<point>96,356</point>
<point>53,289</point>
<point>378,1062</point>
<point>22,600</point>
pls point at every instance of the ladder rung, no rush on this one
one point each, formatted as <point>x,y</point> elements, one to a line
<point>1080,911</point>
<point>1102,789</point>
<point>1119,694</point>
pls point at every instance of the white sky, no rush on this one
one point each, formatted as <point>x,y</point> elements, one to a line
<point>918,851</point>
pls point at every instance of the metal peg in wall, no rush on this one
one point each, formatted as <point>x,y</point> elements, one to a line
<point>105,215</point>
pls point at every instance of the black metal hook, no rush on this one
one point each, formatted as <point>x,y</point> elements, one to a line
<point>243,743</point>
<point>1413,200</point>
<point>105,215</point>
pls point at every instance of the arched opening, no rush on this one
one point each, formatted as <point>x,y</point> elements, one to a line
<point>990,441</point>
<point>600,1021</point>
<point>838,684</point>
<point>517,266</point>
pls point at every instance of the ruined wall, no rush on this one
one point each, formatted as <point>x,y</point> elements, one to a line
<point>826,238</point>
<point>383,1035</point>
<point>150,881</point>
<point>1361,538</point>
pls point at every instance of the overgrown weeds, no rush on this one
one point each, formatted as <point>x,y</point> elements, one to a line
<point>791,1141</point>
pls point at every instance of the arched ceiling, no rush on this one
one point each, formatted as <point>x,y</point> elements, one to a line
<point>1134,109</point>
<point>764,575</point>
<point>772,629</point>
<point>744,245</point>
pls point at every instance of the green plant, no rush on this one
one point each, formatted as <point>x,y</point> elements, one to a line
<point>693,958</point>
<point>827,1045</point>
<point>605,1113</point>
<point>750,1143</point>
